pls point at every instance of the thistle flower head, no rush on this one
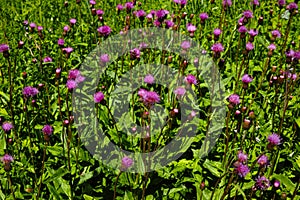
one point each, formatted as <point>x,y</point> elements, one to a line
<point>274,139</point>
<point>248,14</point>
<point>47,59</point>
<point>73,21</point>
<point>203,16</point>
<point>179,91</point>
<point>276,33</point>
<point>104,30</point>
<point>217,32</point>
<point>217,47</point>
<point>234,99</point>
<point>126,162</point>
<point>29,91</point>
<point>262,183</point>
<point>7,126</point>
<point>7,159</point>
<point>247,78</point>
<point>242,157</point>
<point>98,97</point>
<point>241,170</point>
<point>149,79</point>
<point>191,79</point>
<point>242,29</point>
<point>47,130</point>
<point>263,161</point>
<point>185,45</point>
<point>4,48</point>
<point>253,32</point>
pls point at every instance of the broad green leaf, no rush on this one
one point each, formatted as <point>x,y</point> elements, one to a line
<point>290,186</point>
<point>87,197</point>
<point>214,167</point>
<point>85,177</point>
<point>58,173</point>
<point>53,191</point>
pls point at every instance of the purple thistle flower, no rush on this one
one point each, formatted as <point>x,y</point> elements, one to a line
<point>272,47</point>
<point>241,21</point>
<point>71,84</point>
<point>161,14</point>
<point>263,161</point>
<point>255,2</point>
<point>290,53</point>
<point>191,79</point>
<point>253,32</point>
<point>181,2</point>
<point>297,55</point>
<point>242,157</point>
<point>98,97</point>
<point>25,22</point>
<point>143,45</point>
<point>247,79</point>
<point>191,28</point>
<point>151,98</point>
<point>32,25</point>
<point>47,130</point>
<point>292,6</point>
<point>276,184</point>
<point>276,33</point>
<point>7,126</point>
<point>140,14</point>
<point>66,28</point>
<point>126,162</point>
<point>242,29</point>
<point>129,5</point>
<point>4,48</point>
<point>281,3</point>
<point>203,16</point>
<point>142,92</point>
<point>249,46</point>
<point>226,3</point>
<point>169,23</point>
<point>157,23</point>
<point>149,16</point>
<point>149,79</point>
<point>73,73</point>
<point>148,97</point>
<point>79,79</point>
<point>274,139</point>
<point>47,59</point>
<point>262,183</point>
<point>120,7</point>
<point>61,42</point>
<point>99,12</point>
<point>248,14</point>
<point>68,50</point>
<point>104,58</point>
<point>242,170</point>
<point>40,28</point>
<point>179,91</point>
<point>217,47</point>
<point>7,159</point>
<point>104,30</point>
<point>135,53</point>
<point>92,2</point>
<point>185,45</point>
<point>217,32</point>
<point>73,21</point>
<point>29,91</point>
<point>234,99</point>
